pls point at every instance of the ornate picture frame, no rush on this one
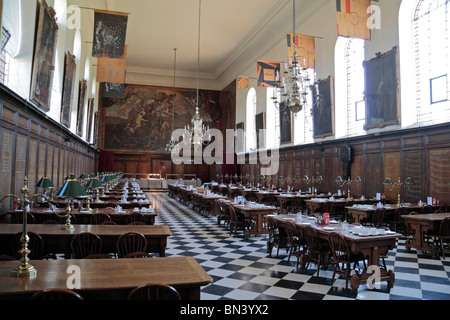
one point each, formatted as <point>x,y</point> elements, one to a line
<point>382,90</point>
<point>81,104</point>
<point>44,57</point>
<point>286,125</point>
<point>260,123</point>
<point>68,86</point>
<point>323,112</point>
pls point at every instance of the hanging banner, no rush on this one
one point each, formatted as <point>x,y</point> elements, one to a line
<point>112,70</point>
<point>352,18</point>
<point>110,31</point>
<point>243,82</point>
<point>268,74</point>
<point>306,49</point>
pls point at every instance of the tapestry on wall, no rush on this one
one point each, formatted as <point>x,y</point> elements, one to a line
<point>144,120</point>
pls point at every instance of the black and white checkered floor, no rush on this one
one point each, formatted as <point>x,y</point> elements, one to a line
<point>243,270</point>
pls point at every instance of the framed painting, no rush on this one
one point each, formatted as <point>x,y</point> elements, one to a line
<point>382,90</point>
<point>260,121</point>
<point>44,57</point>
<point>286,124</point>
<point>90,119</point>
<point>81,100</point>
<point>68,84</point>
<point>323,112</point>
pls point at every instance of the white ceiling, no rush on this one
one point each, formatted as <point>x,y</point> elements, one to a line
<point>229,30</point>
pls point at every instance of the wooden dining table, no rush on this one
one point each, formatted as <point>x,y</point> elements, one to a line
<point>371,247</point>
<point>106,279</point>
<point>57,240</point>
<point>424,224</point>
<point>256,212</point>
<point>42,214</point>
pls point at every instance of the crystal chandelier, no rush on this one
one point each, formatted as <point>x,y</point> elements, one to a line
<point>197,134</point>
<point>172,143</point>
<point>296,82</point>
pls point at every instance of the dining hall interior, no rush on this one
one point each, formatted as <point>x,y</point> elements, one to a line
<point>224,150</point>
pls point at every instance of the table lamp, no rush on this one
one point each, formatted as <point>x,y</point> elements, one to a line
<point>390,184</point>
<point>45,183</point>
<point>95,184</point>
<point>70,190</point>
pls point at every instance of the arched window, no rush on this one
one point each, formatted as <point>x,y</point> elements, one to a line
<point>250,121</point>
<point>272,120</point>
<point>349,90</point>
<point>431,36</point>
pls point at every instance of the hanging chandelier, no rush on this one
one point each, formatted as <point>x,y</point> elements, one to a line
<point>172,143</point>
<point>296,81</point>
<point>197,134</point>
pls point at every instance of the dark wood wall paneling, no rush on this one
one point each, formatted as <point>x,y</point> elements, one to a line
<point>33,146</point>
<point>421,153</point>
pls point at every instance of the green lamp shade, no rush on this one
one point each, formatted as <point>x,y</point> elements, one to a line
<point>358,179</point>
<point>106,178</point>
<point>45,183</point>
<point>94,184</point>
<point>339,179</point>
<point>320,178</point>
<point>71,189</point>
<point>83,176</point>
<point>388,181</point>
<point>306,178</point>
<point>409,180</point>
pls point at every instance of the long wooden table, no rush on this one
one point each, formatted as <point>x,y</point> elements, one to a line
<point>84,217</point>
<point>258,214</point>
<point>57,240</point>
<point>103,279</point>
<point>424,224</point>
<point>372,247</point>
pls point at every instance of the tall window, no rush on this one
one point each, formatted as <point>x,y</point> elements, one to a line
<point>272,120</point>
<point>431,44</point>
<point>350,104</point>
<point>250,135</point>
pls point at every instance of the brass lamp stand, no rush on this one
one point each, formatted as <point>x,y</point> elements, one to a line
<point>407,184</point>
<point>313,181</point>
<point>341,182</point>
<point>25,269</point>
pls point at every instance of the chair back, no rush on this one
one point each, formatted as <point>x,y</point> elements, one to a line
<point>56,294</point>
<point>378,217</point>
<point>289,227</point>
<point>272,226</point>
<point>444,229</point>
<point>17,218</point>
<point>85,244</point>
<point>154,292</point>
<point>427,209</point>
<point>339,247</point>
<point>131,242</point>
<point>138,255</point>
<point>35,245</point>
<point>99,218</point>
<point>312,238</point>
<point>135,217</point>
<point>233,215</point>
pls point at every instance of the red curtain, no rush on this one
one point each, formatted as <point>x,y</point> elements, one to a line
<point>106,161</point>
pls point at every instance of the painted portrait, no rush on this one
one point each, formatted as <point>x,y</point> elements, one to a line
<point>323,111</point>
<point>44,57</point>
<point>68,85</point>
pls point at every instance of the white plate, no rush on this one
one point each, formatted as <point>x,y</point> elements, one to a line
<point>390,232</point>
<point>334,222</point>
<point>305,224</point>
<point>311,218</point>
<point>289,219</point>
<point>329,228</point>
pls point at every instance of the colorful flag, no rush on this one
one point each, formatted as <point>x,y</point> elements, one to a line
<point>352,18</point>
<point>243,82</point>
<point>268,74</point>
<point>110,31</point>
<point>306,49</point>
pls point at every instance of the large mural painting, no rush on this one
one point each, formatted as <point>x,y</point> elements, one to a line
<point>143,121</point>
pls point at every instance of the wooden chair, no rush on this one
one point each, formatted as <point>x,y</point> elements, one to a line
<point>395,221</point>
<point>17,218</point>
<point>131,242</point>
<point>294,240</point>
<point>238,222</point>
<point>138,255</point>
<point>85,244</point>
<point>99,218</point>
<point>426,209</point>
<point>443,236</point>
<point>295,206</point>
<point>154,292</point>
<point>318,251</point>
<point>224,215</point>
<point>35,245</point>
<point>378,217</point>
<point>109,223</point>
<point>56,294</point>
<point>98,256</point>
<point>135,217</point>
<point>342,255</point>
